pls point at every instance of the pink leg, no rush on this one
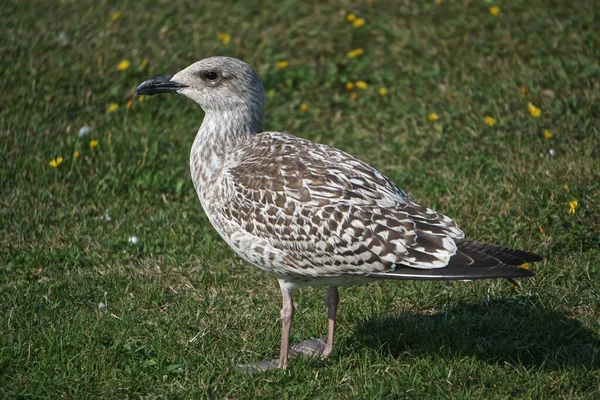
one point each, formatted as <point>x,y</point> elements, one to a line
<point>287,318</point>
<point>310,348</point>
<point>316,347</point>
<point>332,300</point>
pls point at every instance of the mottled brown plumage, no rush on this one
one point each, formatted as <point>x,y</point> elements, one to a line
<point>308,213</point>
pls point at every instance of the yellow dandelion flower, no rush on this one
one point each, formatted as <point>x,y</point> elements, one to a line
<point>303,107</point>
<point>225,38</point>
<point>358,22</point>
<point>383,91</point>
<point>349,85</point>
<point>573,206</point>
<point>548,134</point>
<point>533,110</point>
<point>353,96</point>
<point>433,117</point>
<point>115,16</point>
<point>542,231</point>
<point>523,91</point>
<point>350,17</point>
<point>525,265</point>
<point>355,53</point>
<point>55,162</point>
<point>129,104</point>
<point>112,107</point>
<point>361,85</point>
<point>93,143</point>
<point>123,65</point>
<point>494,10</point>
<point>282,64</point>
<point>491,121</point>
<point>141,98</point>
<point>76,154</point>
<point>144,62</point>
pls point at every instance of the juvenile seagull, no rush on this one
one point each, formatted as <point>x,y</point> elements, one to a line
<point>308,213</point>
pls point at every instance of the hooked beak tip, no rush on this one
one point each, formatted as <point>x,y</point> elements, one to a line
<point>160,84</point>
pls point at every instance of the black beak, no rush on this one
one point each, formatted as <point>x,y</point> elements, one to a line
<point>160,84</point>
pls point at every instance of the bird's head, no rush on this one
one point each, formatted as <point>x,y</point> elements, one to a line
<point>215,83</point>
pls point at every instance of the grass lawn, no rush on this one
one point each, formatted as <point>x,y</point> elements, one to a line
<point>86,313</point>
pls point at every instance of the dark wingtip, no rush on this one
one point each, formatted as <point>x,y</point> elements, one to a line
<point>504,254</point>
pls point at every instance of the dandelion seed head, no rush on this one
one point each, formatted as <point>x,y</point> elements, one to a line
<point>133,240</point>
<point>84,131</point>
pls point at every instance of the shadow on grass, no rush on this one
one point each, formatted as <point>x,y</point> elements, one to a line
<point>503,331</point>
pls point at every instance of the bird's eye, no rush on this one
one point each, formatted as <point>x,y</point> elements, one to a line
<point>211,76</point>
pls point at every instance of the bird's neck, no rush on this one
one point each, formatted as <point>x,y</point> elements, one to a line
<point>219,136</point>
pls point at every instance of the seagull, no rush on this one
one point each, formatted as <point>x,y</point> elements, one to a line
<point>311,214</point>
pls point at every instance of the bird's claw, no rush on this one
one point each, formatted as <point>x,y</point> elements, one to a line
<point>307,348</point>
<point>255,368</point>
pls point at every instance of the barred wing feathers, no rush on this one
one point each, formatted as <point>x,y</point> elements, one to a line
<point>331,214</point>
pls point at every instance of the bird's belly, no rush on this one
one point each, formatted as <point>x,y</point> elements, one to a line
<point>298,281</point>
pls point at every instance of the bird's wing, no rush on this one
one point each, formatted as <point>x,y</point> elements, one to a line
<point>330,213</point>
